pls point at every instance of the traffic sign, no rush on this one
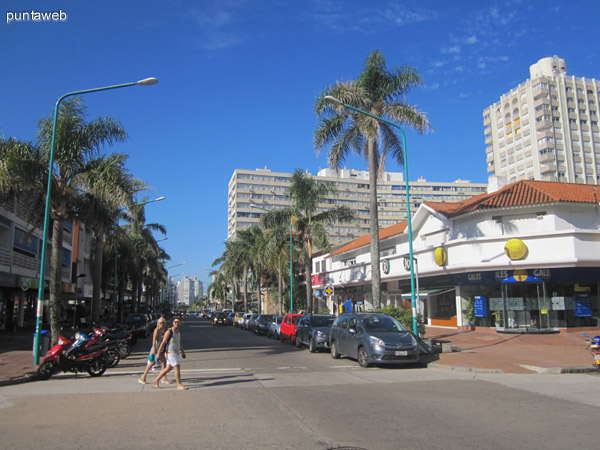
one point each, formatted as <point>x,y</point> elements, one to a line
<point>329,290</point>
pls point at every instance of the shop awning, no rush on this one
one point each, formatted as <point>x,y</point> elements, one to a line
<point>423,293</point>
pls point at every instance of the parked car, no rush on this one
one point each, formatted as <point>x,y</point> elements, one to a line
<point>261,325</point>
<point>313,331</point>
<point>244,321</point>
<point>237,319</point>
<point>230,317</point>
<point>372,338</point>
<point>274,327</point>
<point>249,324</point>
<point>288,327</point>
<point>139,324</point>
<point>218,319</point>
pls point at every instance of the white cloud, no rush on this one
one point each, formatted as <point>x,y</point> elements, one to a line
<point>481,65</point>
<point>438,63</point>
<point>451,50</point>
<point>471,40</point>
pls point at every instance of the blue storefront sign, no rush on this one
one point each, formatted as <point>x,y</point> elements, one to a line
<point>583,306</point>
<point>480,303</point>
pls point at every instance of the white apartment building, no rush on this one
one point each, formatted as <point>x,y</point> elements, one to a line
<point>198,288</point>
<point>268,189</point>
<point>186,291</point>
<point>546,128</point>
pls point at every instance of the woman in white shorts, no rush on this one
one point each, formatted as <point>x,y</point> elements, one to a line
<point>174,350</point>
<point>155,356</point>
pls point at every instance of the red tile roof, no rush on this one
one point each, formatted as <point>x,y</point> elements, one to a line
<point>366,239</point>
<point>522,193</point>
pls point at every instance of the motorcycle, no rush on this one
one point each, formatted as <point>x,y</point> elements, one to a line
<point>122,339</point>
<point>594,349</point>
<point>68,356</point>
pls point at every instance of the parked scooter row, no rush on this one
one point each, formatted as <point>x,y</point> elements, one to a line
<point>92,354</point>
<point>593,346</point>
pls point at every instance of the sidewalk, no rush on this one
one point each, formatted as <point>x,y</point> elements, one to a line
<point>488,351</point>
<point>16,357</point>
<point>473,351</point>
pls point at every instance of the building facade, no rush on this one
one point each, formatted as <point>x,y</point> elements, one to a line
<point>267,190</point>
<point>20,259</point>
<point>525,258</point>
<point>545,128</point>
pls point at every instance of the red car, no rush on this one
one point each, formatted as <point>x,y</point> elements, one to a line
<point>289,324</point>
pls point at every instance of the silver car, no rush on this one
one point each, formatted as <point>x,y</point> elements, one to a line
<point>372,338</point>
<point>275,327</point>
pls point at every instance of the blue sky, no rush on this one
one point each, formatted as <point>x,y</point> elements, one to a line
<point>238,81</point>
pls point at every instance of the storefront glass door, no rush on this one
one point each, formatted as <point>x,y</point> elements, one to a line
<point>525,306</point>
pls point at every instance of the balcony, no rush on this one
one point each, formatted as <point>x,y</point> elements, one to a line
<point>547,168</point>
<point>547,157</point>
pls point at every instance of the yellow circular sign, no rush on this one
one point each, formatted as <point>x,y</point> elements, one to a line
<point>515,249</point>
<point>440,256</point>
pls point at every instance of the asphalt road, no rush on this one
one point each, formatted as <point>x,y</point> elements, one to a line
<point>251,392</point>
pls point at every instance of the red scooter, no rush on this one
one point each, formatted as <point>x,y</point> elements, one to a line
<point>68,356</point>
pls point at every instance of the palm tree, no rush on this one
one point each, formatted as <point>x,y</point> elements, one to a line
<point>276,254</point>
<point>380,92</point>
<point>77,144</point>
<point>145,248</point>
<point>308,219</point>
<point>109,188</point>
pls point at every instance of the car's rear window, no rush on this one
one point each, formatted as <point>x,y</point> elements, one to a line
<point>296,319</point>
<point>322,321</point>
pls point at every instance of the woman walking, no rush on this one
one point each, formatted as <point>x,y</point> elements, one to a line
<point>155,355</point>
<point>174,349</point>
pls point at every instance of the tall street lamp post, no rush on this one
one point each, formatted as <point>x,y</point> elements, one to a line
<point>337,102</point>
<point>254,205</point>
<point>40,302</point>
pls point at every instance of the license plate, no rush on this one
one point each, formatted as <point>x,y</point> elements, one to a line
<point>401,353</point>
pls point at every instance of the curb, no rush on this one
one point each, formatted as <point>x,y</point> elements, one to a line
<point>464,369</point>
<point>32,376</point>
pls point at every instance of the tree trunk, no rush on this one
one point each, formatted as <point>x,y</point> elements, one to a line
<point>374,225</point>
<point>308,278</point>
<point>258,297</point>
<point>97,278</point>
<point>55,279</point>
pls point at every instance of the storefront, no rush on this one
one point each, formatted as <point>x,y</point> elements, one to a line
<point>523,300</point>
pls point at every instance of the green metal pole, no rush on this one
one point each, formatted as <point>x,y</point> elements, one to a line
<point>291,275</point>
<point>335,101</point>
<point>252,286</point>
<point>40,302</point>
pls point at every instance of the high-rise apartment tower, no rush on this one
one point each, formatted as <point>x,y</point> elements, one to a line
<point>267,190</point>
<point>546,128</point>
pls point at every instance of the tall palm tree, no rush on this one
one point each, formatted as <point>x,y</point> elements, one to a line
<point>381,92</point>
<point>145,247</point>
<point>77,145</point>
<point>308,219</point>
<point>109,188</point>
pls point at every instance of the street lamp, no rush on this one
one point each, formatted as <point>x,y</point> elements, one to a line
<point>254,205</point>
<point>335,101</point>
<point>40,302</point>
<point>167,269</point>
